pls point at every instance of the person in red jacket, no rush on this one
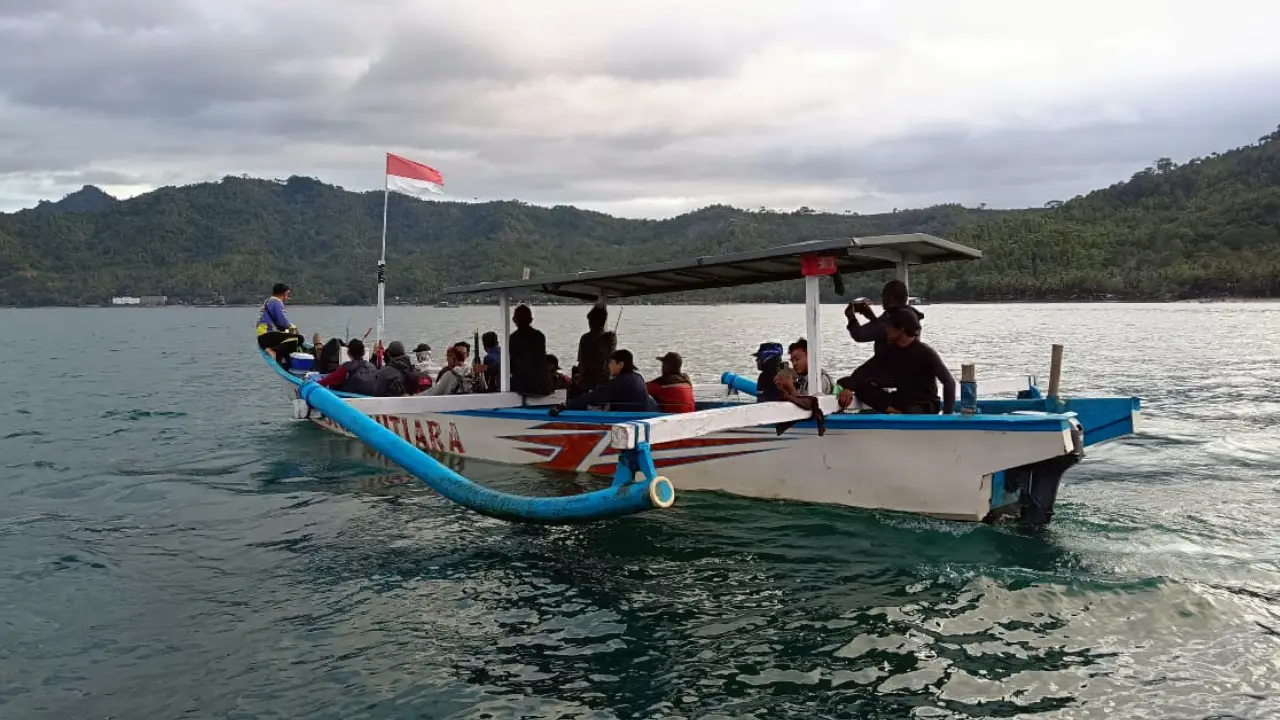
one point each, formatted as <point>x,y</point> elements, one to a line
<point>673,390</point>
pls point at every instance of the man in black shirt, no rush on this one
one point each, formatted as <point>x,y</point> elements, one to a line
<point>909,366</point>
<point>892,297</point>
<point>527,348</point>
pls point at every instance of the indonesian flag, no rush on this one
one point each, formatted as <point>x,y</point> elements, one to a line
<point>411,178</point>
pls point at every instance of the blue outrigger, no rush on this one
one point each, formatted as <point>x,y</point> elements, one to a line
<point>1006,459</point>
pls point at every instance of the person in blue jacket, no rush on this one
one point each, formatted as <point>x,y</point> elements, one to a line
<point>624,391</point>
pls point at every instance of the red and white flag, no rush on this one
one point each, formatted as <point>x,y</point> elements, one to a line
<point>411,178</point>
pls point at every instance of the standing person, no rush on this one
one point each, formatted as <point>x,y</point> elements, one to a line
<point>910,367</point>
<point>594,348</point>
<point>527,350</point>
<point>397,376</point>
<point>356,376</point>
<point>799,352</point>
<point>276,334</point>
<point>673,389</point>
<point>892,297</point>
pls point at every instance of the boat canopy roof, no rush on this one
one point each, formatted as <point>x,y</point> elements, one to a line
<point>853,255</point>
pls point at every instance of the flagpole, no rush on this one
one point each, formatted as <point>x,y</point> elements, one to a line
<point>382,262</point>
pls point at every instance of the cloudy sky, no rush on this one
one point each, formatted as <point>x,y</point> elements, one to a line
<point>643,108</point>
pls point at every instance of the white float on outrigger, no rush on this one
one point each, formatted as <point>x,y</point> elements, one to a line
<point>1006,459</point>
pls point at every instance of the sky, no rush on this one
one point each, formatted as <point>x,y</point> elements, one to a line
<point>642,109</point>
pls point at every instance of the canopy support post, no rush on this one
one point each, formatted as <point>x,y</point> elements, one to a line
<point>504,342</point>
<point>813,331</point>
<point>903,273</point>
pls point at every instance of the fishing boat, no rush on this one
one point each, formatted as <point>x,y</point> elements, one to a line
<point>1003,456</point>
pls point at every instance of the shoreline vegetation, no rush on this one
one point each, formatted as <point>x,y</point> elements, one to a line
<point>1204,230</point>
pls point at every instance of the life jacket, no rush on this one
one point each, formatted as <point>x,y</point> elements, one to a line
<point>361,375</point>
<point>265,323</point>
<point>674,393</point>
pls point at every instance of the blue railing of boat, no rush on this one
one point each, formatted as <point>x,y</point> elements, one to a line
<point>627,495</point>
<point>1101,419</point>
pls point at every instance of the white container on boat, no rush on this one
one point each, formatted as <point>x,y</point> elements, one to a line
<point>301,361</point>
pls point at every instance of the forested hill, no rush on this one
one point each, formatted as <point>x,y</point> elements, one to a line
<point>1208,228</point>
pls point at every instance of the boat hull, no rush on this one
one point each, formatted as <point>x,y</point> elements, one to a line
<point>975,468</point>
<point>945,473</point>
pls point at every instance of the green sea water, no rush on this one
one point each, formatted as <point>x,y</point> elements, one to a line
<point>173,545</point>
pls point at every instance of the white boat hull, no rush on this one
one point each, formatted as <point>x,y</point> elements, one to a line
<point>940,473</point>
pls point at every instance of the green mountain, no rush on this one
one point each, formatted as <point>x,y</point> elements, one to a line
<point>89,198</point>
<point>1209,227</point>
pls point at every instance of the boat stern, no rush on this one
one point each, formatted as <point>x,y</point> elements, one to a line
<point>1028,493</point>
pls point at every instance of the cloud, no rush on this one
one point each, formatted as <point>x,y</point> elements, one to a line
<point>641,108</point>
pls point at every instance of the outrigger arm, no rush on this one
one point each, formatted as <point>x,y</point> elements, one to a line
<point>627,495</point>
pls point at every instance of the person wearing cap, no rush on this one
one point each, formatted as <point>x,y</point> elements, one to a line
<point>557,378</point>
<point>276,334</point>
<point>768,360</point>
<point>673,389</point>
<point>910,367</point>
<point>397,376</point>
<point>624,391</point>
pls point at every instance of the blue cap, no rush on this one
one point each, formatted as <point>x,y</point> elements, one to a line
<point>768,350</point>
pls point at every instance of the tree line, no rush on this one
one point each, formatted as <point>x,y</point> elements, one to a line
<point>1205,228</point>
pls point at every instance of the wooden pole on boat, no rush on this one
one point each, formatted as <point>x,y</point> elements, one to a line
<point>1055,372</point>
<point>504,362</point>
<point>382,264</point>
<point>968,389</point>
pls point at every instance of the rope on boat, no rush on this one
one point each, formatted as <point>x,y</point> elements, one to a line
<point>627,495</point>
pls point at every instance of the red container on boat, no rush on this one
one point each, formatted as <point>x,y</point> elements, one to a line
<point>817,265</point>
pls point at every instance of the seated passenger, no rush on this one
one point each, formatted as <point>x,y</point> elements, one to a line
<point>673,389</point>
<point>454,379</point>
<point>768,359</point>
<point>329,356</point>
<point>799,351</point>
<point>490,368</point>
<point>397,377</point>
<point>909,366</point>
<point>623,392</point>
<point>559,381</point>
<point>466,352</point>
<point>355,376</point>
<point>422,357</point>
<point>276,334</point>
